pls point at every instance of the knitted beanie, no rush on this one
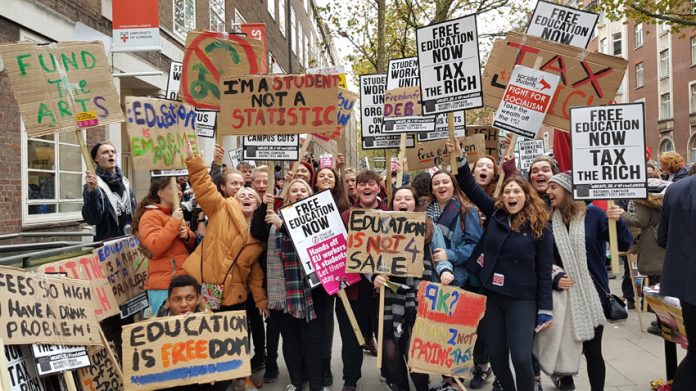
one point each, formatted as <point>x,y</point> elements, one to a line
<point>563,179</point>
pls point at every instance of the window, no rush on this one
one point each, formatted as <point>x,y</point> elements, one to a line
<point>692,149</point>
<point>693,50</point>
<point>616,44</point>
<point>665,106</point>
<point>639,35</point>
<point>666,145</point>
<point>282,17</point>
<point>640,81</point>
<point>662,28</point>
<point>238,21</point>
<point>293,30</point>
<point>271,8</point>
<point>664,63</point>
<point>184,17</point>
<point>217,15</point>
<point>692,98</point>
<point>603,46</point>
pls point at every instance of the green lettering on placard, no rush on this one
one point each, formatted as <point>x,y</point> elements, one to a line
<point>43,112</point>
<point>140,146</point>
<point>69,59</point>
<point>64,109</point>
<point>22,66</point>
<point>86,54</point>
<point>43,64</point>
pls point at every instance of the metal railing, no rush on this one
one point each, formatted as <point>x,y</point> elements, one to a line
<point>45,249</point>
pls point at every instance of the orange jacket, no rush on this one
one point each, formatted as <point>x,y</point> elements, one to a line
<point>226,238</point>
<point>159,233</point>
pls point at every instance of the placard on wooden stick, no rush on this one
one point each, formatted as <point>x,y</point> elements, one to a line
<point>402,99</point>
<point>434,153</point>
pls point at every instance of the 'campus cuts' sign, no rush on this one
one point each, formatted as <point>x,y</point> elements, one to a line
<point>402,99</point>
<point>450,68</point>
<point>566,25</point>
<point>283,147</point>
<point>608,145</point>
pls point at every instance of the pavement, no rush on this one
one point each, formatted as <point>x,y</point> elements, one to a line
<point>633,358</point>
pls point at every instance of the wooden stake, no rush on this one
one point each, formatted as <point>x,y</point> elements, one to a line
<point>351,316</point>
<point>613,243</point>
<point>380,324</point>
<point>69,380</point>
<point>5,382</point>
<point>303,150</point>
<point>501,173</point>
<point>636,293</point>
<point>175,194</point>
<point>402,157</point>
<point>85,152</point>
<point>387,173</point>
<point>459,383</point>
<point>219,140</point>
<point>453,139</point>
<point>341,148</point>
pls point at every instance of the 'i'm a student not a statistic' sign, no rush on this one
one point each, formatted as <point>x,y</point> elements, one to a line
<point>608,144</point>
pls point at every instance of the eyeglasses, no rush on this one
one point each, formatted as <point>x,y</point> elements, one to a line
<point>189,299</point>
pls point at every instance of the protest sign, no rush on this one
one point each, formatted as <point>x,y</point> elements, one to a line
<point>21,369</point>
<point>158,130</point>
<point>587,78</point>
<point>56,84</point>
<point>327,160</point>
<point>525,102</point>
<point>444,334</point>
<point>337,70</point>
<point>387,142</point>
<point>562,24</point>
<point>282,104</point>
<point>346,102</point>
<point>450,68</point>
<point>529,150</point>
<point>41,308</point>
<point>318,233</point>
<point>135,25</point>
<point>206,123</point>
<point>386,242</point>
<point>282,147</point>
<point>168,173</point>
<point>441,128</point>
<point>257,31</point>
<point>101,375</point>
<point>174,80</point>
<point>126,269</point>
<point>208,56</point>
<point>185,350</point>
<point>235,156</point>
<point>87,268</point>
<point>490,134</point>
<point>669,311</point>
<point>434,153</point>
<point>402,99</point>
<point>59,358</point>
<point>608,151</point>
<point>372,88</point>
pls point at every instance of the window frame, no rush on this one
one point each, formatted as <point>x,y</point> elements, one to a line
<point>638,32</point>
<point>282,17</point>
<point>614,40</point>
<point>271,8</point>
<point>642,75</point>
<point>604,45</point>
<point>662,103</point>
<point>176,33</point>
<point>664,71</point>
<point>214,14</point>
<point>693,50</point>
<point>692,95</point>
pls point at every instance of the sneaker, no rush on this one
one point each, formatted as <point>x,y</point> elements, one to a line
<point>257,363</point>
<point>290,387</point>
<point>655,330</point>
<point>497,386</point>
<point>271,373</point>
<point>564,383</point>
<point>480,377</point>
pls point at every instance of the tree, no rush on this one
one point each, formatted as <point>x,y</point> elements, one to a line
<point>678,14</point>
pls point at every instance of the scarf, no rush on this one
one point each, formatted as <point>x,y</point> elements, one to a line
<point>298,297</point>
<point>275,277</point>
<point>586,311</point>
<point>117,190</point>
<point>446,218</point>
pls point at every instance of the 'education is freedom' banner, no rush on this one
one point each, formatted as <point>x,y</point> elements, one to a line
<point>562,24</point>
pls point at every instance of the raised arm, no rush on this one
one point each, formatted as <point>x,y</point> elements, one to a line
<point>468,184</point>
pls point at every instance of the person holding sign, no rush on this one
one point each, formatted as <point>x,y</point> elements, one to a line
<point>515,274</point>
<point>161,229</point>
<point>400,303</point>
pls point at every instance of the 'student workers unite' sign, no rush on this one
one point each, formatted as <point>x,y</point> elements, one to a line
<point>450,67</point>
<point>529,150</point>
<point>562,24</point>
<point>381,242</point>
<point>527,98</point>
<point>185,350</point>
<point>442,130</point>
<point>280,147</point>
<point>158,130</point>
<point>444,334</point>
<point>318,233</point>
<point>62,87</point>
<point>586,78</point>
<point>608,148</point>
<point>283,104</point>
<point>372,89</point>
<point>402,99</point>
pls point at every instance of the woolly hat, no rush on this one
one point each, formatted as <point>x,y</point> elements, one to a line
<point>94,150</point>
<point>563,179</point>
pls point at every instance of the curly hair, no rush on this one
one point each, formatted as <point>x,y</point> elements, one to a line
<point>534,212</point>
<point>672,161</point>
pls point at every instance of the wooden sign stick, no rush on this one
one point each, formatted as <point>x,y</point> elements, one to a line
<point>270,188</point>
<point>351,317</point>
<point>175,194</point>
<point>450,129</point>
<point>112,356</point>
<point>402,157</point>
<point>501,172</point>
<point>380,322</point>
<point>613,243</point>
<point>85,152</point>
<point>69,380</point>
<point>341,147</point>
<point>459,383</point>
<point>387,173</point>
<point>303,150</point>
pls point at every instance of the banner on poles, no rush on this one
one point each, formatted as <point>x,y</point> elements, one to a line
<point>258,32</point>
<point>21,369</point>
<point>444,335</point>
<point>184,350</point>
<point>587,78</point>
<point>41,308</point>
<point>101,375</point>
<point>135,25</point>
<point>562,24</point>
<point>529,150</point>
<point>526,100</point>
<point>491,136</point>
<point>281,147</point>
<point>158,130</point>
<point>126,269</point>
<point>608,145</point>
<point>319,235</point>
<point>174,80</point>
<point>62,87</point>
<point>434,153</point>
<point>206,123</point>
<point>402,99</point>
<point>450,67</point>
<point>442,128</point>
<point>385,242</point>
<point>58,358</point>
<point>283,104</point>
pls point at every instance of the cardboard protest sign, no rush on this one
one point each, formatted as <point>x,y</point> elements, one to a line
<point>206,123</point>
<point>526,100</point>
<point>444,335</point>
<point>209,55</point>
<point>59,358</point>
<point>281,147</point>
<point>158,130</point>
<point>442,127</point>
<point>101,375</point>
<point>22,371</point>
<point>402,99</point>
<point>346,102</point>
<point>87,268</point>
<point>490,134</point>
<point>174,80</point>
<point>450,67</point>
<point>384,242</point>
<point>668,310</point>
<point>41,308</point>
<point>62,87</point>
<point>587,78</point>
<point>282,104</point>
<point>562,24</point>
<point>608,151</point>
<point>318,233</point>
<point>126,270</point>
<point>185,350</point>
<point>337,70</point>
<point>434,153</point>
<point>529,150</point>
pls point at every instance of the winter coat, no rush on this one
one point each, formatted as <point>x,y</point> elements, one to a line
<point>158,231</point>
<point>98,211</point>
<point>646,217</point>
<point>227,240</point>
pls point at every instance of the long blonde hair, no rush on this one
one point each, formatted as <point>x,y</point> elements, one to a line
<point>286,199</point>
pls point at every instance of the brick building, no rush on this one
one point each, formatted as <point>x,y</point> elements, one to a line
<point>41,178</point>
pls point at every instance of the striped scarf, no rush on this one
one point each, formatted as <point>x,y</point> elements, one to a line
<point>446,218</point>
<point>275,276</point>
<point>298,297</point>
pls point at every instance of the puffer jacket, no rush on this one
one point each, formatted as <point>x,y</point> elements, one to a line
<point>646,217</point>
<point>227,240</point>
<point>158,231</point>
